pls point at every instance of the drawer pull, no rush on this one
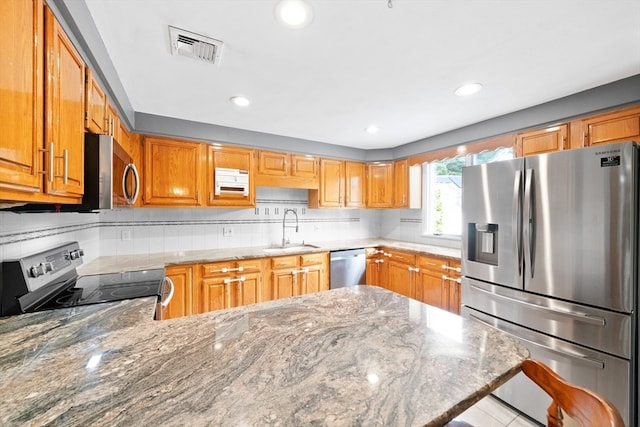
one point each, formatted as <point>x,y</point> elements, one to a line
<point>456,269</point>
<point>239,279</point>
<point>453,279</point>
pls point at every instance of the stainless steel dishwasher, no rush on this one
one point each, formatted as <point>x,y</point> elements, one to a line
<point>348,268</point>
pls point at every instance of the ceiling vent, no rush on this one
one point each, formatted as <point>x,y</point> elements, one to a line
<point>195,46</point>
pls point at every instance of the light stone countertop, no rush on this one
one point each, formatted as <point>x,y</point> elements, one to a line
<point>132,262</point>
<point>352,356</point>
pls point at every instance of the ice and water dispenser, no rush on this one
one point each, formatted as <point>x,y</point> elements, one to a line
<point>483,243</point>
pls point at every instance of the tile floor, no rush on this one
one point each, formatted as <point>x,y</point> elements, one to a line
<point>491,412</point>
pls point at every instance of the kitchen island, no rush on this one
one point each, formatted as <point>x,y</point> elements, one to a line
<point>350,356</point>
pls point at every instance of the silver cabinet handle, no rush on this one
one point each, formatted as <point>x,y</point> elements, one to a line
<point>453,279</point>
<point>239,279</point>
<point>172,288</point>
<point>303,270</point>
<point>414,269</point>
<point>456,269</point>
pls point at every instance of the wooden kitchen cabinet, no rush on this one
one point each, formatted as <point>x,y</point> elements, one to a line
<point>376,267</point>
<point>439,282</point>
<point>41,107</point>
<point>402,272</point>
<point>342,185</point>
<point>21,98</point>
<point>277,169</point>
<point>542,140</point>
<point>222,156</point>
<point>180,305</point>
<point>617,126</point>
<point>95,116</point>
<point>294,275</point>
<point>401,184</point>
<point>229,284</point>
<point>112,121</point>
<point>380,185</point>
<point>64,113</point>
<point>355,174</point>
<point>172,172</point>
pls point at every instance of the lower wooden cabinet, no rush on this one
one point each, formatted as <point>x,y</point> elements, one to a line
<point>230,284</point>
<point>299,274</point>
<point>376,267</point>
<point>181,303</point>
<point>402,272</point>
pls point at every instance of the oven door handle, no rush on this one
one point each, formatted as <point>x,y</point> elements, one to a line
<point>172,287</point>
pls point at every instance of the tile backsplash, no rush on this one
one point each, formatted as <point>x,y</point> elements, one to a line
<point>154,230</point>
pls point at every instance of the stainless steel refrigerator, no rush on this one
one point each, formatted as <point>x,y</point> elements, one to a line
<point>550,255</point>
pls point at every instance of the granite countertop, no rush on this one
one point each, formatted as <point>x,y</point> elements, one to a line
<point>132,262</point>
<point>352,356</point>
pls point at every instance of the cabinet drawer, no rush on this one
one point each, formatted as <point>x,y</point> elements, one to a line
<point>284,262</point>
<point>226,267</point>
<point>432,263</point>
<point>311,259</point>
<point>401,256</point>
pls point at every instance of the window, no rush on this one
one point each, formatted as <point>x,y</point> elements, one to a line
<point>442,197</point>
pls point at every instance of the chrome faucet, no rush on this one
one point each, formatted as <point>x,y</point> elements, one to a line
<point>284,226</point>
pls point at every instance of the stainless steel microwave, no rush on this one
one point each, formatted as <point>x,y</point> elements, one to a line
<point>111,178</point>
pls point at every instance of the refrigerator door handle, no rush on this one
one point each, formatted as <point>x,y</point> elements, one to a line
<point>529,217</point>
<point>516,218</point>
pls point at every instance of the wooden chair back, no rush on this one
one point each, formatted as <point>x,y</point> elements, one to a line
<point>584,406</point>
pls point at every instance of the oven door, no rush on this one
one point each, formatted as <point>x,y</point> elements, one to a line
<point>126,180</point>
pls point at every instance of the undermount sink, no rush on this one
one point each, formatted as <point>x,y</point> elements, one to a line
<point>290,248</point>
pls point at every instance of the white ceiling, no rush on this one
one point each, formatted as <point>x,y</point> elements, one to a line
<point>361,62</point>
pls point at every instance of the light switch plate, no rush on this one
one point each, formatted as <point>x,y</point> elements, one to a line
<point>227,231</point>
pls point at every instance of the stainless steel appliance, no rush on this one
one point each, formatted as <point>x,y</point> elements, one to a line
<point>550,255</point>
<point>48,280</point>
<point>111,178</point>
<point>348,268</point>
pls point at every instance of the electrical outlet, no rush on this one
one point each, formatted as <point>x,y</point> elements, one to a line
<point>227,231</point>
<point>316,227</point>
<point>126,235</point>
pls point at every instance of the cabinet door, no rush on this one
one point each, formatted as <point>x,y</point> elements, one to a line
<point>303,166</point>
<point>380,185</point>
<point>612,127</point>
<point>95,119</point>
<point>172,172</point>
<point>453,287</point>
<point>272,163</point>
<point>331,183</point>
<point>373,271</point>
<point>284,284</point>
<point>401,279</point>
<point>355,177</point>
<point>216,294</point>
<point>64,113</point>
<point>180,305</point>
<point>312,280</point>
<point>542,140</point>
<point>247,291</point>
<point>21,97</point>
<point>430,287</point>
<point>112,121</point>
<point>231,158</point>
<point>401,184</point>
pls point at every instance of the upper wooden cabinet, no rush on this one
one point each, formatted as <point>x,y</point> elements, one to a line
<point>220,156</point>
<point>542,140</point>
<point>380,185</point>
<point>21,98</point>
<point>112,121</point>
<point>276,169</point>
<point>401,184</point>
<point>172,172</point>
<point>355,174</point>
<point>342,185</point>
<point>64,113</point>
<point>41,107</point>
<point>617,126</point>
<point>95,104</point>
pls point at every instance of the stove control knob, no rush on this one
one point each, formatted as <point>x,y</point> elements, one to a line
<point>37,270</point>
<point>76,254</point>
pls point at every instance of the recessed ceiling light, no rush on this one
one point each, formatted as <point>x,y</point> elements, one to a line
<point>293,13</point>
<point>468,89</point>
<point>240,101</point>
<point>372,129</point>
